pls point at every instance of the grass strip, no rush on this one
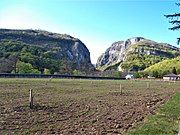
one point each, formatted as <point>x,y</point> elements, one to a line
<point>165,122</point>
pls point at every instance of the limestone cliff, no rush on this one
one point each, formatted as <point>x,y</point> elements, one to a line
<point>135,54</point>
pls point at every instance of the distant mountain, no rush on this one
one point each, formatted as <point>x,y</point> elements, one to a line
<point>135,54</point>
<point>43,50</point>
<point>164,67</point>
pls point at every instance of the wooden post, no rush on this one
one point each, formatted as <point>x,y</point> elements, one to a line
<point>49,80</point>
<point>30,99</point>
<point>120,89</point>
<point>147,85</point>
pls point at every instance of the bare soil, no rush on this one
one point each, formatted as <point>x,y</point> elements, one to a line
<point>79,107</point>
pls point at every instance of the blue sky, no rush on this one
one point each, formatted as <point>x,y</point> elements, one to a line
<point>97,23</point>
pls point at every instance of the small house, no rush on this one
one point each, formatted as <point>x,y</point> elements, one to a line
<point>179,77</point>
<point>129,76</point>
<point>171,77</point>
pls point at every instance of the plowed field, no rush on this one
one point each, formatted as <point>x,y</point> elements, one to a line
<point>87,107</point>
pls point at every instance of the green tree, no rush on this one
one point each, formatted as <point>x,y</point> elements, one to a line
<point>116,74</point>
<point>46,71</point>
<point>137,75</point>
<point>111,73</point>
<point>77,72</point>
<point>26,68</point>
<point>174,20</point>
<point>174,70</point>
<point>155,74</point>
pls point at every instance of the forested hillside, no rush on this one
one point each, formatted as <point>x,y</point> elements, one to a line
<point>34,51</point>
<point>164,67</point>
<point>135,54</point>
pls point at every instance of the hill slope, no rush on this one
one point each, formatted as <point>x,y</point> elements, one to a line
<point>43,50</point>
<point>164,67</point>
<point>135,54</point>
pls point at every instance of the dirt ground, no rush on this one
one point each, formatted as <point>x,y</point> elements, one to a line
<point>79,107</point>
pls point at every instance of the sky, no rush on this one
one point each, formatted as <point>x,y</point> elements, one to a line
<point>97,23</point>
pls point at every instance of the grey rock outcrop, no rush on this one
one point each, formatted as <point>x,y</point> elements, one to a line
<point>116,52</point>
<point>119,51</point>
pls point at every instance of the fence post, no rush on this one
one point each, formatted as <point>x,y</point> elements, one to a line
<point>31,98</point>
<point>147,85</point>
<point>120,89</point>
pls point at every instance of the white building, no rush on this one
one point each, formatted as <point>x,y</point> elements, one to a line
<point>171,77</point>
<point>129,76</point>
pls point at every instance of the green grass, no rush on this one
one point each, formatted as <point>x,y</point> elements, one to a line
<point>165,122</point>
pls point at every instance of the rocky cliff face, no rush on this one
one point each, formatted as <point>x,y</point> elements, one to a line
<point>122,52</point>
<point>63,47</point>
<point>116,52</point>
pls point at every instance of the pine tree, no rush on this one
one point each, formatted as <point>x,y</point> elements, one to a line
<point>175,21</point>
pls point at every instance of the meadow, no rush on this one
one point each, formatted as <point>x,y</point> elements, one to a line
<point>77,106</point>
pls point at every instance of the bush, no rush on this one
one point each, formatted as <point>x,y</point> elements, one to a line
<point>26,68</point>
<point>137,75</point>
<point>78,73</point>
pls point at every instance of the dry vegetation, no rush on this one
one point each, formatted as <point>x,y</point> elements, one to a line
<point>66,106</point>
